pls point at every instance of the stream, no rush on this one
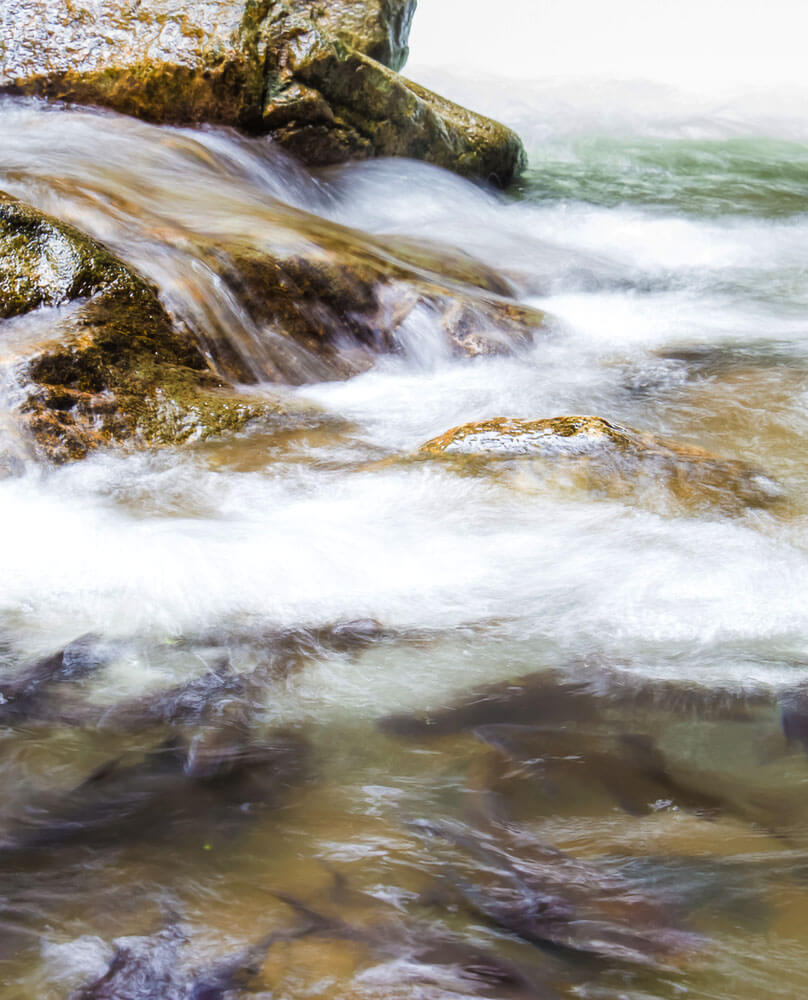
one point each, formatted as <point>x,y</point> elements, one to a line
<point>466,682</point>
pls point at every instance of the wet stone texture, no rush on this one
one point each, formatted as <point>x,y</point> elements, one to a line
<point>607,456</point>
<point>112,365</point>
<point>321,78</point>
<point>343,299</point>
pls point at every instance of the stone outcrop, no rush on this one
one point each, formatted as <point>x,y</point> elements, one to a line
<point>592,453</point>
<point>106,363</point>
<point>109,364</point>
<point>320,77</point>
<point>344,298</point>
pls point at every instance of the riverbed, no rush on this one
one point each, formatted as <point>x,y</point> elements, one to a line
<point>667,251</point>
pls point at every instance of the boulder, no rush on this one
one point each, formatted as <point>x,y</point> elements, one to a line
<point>597,454</point>
<point>320,77</point>
<point>107,364</point>
<point>330,305</point>
<point>100,361</point>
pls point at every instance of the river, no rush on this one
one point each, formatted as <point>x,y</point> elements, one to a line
<point>664,235</point>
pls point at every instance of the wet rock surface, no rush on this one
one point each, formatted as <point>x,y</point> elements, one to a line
<point>587,739</point>
<point>23,694</point>
<point>625,768</point>
<point>319,77</point>
<point>609,457</point>
<point>153,968</point>
<point>167,793</point>
<point>413,952</point>
<point>107,364</point>
<point>584,693</point>
<point>496,910</point>
<point>547,898</point>
<point>220,704</point>
<point>343,300</point>
<point>588,781</point>
<point>111,366</point>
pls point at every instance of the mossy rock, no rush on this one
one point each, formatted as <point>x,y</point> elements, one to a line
<point>320,77</point>
<point>114,367</point>
<point>335,299</point>
<point>331,103</point>
<point>590,453</point>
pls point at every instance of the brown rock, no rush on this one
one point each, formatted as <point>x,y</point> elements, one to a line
<point>315,75</point>
<point>343,299</point>
<point>594,453</point>
<point>113,366</point>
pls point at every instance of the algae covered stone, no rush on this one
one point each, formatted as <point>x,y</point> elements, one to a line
<point>333,300</point>
<point>107,364</point>
<point>320,77</point>
<point>97,360</point>
<point>590,453</point>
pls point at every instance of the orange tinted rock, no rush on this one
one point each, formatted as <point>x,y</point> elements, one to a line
<point>597,454</point>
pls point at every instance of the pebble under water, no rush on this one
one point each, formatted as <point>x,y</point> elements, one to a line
<point>284,714</point>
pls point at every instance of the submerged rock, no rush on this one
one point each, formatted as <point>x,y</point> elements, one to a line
<point>587,691</point>
<point>21,695</point>
<point>626,768</point>
<point>320,78</point>
<point>594,453</point>
<point>226,699</point>
<point>588,737</point>
<point>794,715</point>
<point>177,789</point>
<point>152,968</point>
<point>110,365</point>
<point>537,698</point>
<point>431,962</point>
<point>220,706</point>
<point>549,898</point>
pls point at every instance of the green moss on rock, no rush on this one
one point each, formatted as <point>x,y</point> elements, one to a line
<point>320,77</point>
<point>42,263</point>
<point>117,369</point>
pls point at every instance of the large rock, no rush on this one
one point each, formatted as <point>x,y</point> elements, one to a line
<point>320,77</point>
<point>100,361</point>
<point>330,306</point>
<point>596,454</point>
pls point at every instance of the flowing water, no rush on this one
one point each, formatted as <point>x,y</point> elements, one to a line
<point>667,245</point>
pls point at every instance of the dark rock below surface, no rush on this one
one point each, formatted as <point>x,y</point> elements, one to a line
<point>320,77</point>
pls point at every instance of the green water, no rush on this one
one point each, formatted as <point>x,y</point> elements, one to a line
<point>761,178</point>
